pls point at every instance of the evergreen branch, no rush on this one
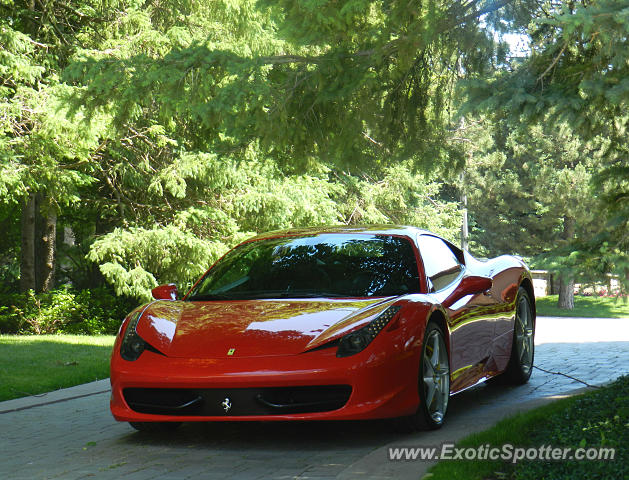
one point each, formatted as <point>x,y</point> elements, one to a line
<point>74,166</point>
<point>38,44</point>
<point>435,204</point>
<point>371,139</point>
<point>281,59</point>
<point>462,6</point>
<point>349,220</point>
<point>554,62</point>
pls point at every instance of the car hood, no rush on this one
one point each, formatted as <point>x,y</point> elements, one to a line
<point>249,328</point>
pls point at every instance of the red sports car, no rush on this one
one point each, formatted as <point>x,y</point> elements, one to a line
<point>336,323</point>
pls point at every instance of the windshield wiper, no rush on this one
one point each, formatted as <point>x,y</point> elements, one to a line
<point>321,295</point>
<point>293,294</point>
<point>266,295</point>
<point>208,296</point>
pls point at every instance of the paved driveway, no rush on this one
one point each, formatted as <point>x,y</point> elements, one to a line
<point>56,436</point>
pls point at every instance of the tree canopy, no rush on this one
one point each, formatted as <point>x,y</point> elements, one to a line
<point>575,75</point>
<point>140,140</point>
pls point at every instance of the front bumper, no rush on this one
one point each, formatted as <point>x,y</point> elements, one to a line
<point>383,381</point>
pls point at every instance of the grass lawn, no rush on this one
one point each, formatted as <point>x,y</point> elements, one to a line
<point>595,419</point>
<point>32,364</point>
<point>592,307</point>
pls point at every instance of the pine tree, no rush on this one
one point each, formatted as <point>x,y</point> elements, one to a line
<point>576,74</point>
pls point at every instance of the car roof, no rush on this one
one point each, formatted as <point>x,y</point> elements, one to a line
<point>402,230</point>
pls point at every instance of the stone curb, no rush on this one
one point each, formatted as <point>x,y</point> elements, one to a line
<point>56,396</point>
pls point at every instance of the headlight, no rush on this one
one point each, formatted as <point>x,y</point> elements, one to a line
<point>132,345</point>
<point>358,340</point>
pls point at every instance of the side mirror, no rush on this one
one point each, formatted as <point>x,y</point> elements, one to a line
<point>165,292</point>
<point>474,284</point>
<point>471,285</point>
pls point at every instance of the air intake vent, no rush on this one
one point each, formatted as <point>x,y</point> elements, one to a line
<point>237,401</point>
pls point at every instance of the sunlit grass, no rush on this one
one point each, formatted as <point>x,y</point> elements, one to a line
<point>595,307</point>
<point>33,364</point>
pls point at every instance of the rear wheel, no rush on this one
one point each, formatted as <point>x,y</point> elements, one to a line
<point>523,347</point>
<point>155,427</point>
<point>433,384</point>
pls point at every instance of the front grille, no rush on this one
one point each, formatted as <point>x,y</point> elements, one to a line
<point>214,402</point>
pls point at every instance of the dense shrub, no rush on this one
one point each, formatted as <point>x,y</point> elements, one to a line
<point>599,419</point>
<point>64,310</point>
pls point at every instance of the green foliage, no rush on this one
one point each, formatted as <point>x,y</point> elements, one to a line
<point>133,260</point>
<point>342,83</point>
<point>221,203</point>
<point>529,191</point>
<point>54,157</point>
<point>65,310</point>
<point>401,197</point>
<point>17,65</point>
<point>597,418</point>
<point>577,70</point>
<point>576,75</point>
<point>162,133</point>
<point>9,257</point>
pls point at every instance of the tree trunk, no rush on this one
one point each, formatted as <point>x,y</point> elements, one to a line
<point>566,292</point>
<point>554,284</point>
<point>27,257</point>
<point>464,223</point>
<point>566,279</point>
<point>49,242</point>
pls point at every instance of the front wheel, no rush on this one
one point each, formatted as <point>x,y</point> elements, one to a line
<point>433,383</point>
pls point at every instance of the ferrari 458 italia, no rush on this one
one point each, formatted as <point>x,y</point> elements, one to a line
<point>338,323</point>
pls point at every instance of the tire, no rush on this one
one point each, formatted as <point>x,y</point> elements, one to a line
<point>155,427</point>
<point>520,364</point>
<point>433,384</point>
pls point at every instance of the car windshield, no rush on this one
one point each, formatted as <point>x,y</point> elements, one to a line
<point>323,265</point>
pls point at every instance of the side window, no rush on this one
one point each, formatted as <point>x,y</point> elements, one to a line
<point>440,263</point>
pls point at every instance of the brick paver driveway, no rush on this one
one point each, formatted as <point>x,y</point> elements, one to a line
<point>78,438</point>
